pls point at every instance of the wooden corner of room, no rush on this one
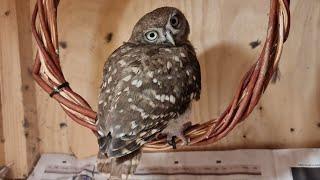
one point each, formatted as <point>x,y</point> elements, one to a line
<point>18,118</point>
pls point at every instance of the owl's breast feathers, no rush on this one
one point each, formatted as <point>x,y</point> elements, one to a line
<point>144,86</point>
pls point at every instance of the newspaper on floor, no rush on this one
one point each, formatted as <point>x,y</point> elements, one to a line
<point>293,164</point>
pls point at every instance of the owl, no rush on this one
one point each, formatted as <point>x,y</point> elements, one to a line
<point>148,84</point>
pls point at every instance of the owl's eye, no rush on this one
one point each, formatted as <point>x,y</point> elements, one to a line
<point>174,21</point>
<point>151,35</point>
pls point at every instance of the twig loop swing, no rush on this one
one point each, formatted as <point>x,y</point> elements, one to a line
<point>48,74</point>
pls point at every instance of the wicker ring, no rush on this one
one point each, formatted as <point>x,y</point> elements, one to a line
<point>247,95</point>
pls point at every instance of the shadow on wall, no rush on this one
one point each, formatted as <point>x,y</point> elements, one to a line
<point>226,64</point>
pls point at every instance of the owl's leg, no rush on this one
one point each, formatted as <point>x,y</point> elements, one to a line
<point>176,128</point>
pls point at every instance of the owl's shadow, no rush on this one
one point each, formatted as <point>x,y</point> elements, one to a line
<point>223,66</point>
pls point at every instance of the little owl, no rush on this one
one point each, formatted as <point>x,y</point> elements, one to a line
<point>148,85</point>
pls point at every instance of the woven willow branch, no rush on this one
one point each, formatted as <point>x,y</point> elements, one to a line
<point>48,74</point>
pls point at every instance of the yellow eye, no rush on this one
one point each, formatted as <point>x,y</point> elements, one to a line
<point>174,21</point>
<point>151,35</point>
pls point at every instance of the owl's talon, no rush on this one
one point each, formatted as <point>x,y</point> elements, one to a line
<point>172,141</point>
<point>185,140</point>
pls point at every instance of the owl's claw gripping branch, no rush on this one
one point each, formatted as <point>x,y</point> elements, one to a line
<point>172,141</point>
<point>177,130</point>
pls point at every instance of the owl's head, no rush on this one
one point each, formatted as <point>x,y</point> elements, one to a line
<point>165,26</point>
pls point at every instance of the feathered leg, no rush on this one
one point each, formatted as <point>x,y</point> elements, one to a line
<point>177,127</point>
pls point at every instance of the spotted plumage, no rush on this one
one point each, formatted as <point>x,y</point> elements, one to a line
<point>147,82</point>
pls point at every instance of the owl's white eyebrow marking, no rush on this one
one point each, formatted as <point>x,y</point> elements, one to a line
<point>136,83</point>
<point>127,78</point>
<point>182,54</point>
<point>169,65</point>
<point>129,99</point>
<point>109,79</point>
<point>172,99</point>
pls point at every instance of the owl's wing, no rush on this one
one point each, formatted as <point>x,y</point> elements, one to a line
<point>192,63</point>
<point>143,88</point>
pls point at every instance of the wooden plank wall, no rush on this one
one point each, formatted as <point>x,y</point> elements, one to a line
<point>19,127</point>
<point>288,115</point>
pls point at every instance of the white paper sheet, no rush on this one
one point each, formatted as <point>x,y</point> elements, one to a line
<point>205,165</point>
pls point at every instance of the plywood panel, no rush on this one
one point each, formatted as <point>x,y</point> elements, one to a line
<point>288,114</point>
<point>18,111</point>
<point>2,155</point>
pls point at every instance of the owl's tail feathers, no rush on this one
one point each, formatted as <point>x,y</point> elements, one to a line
<point>119,168</point>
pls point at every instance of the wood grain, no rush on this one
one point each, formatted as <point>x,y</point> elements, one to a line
<point>18,100</point>
<point>288,114</point>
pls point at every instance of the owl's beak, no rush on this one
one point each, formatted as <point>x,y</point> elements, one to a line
<point>169,37</point>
